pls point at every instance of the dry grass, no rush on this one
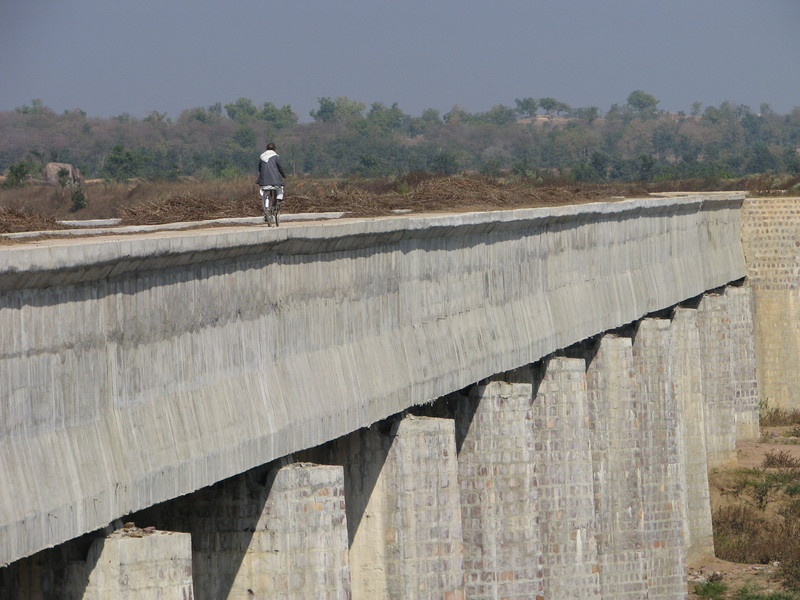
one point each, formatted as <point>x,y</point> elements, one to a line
<point>144,202</point>
<point>759,519</point>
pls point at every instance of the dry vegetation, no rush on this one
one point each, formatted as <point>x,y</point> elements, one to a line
<point>756,514</point>
<point>148,202</point>
<point>38,207</point>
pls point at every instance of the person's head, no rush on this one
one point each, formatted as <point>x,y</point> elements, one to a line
<point>271,146</point>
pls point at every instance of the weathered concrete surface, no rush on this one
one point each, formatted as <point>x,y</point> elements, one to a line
<point>137,370</point>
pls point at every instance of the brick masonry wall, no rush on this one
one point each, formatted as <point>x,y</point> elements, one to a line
<point>771,240</point>
<point>499,498</point>
<point>714,326</point>
<point>663,472</point>
<point>151,567</point>
<point>564,478</point>
<point>277,532</point>
<point>743,362</point>
<point>403,508</point>
<point>616,439</point>
<point>127,563</point>
<point>687,379</point>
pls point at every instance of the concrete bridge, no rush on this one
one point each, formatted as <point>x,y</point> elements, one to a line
<point>513,404</point>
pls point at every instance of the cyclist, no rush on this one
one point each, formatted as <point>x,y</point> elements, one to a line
<point>270,177</point>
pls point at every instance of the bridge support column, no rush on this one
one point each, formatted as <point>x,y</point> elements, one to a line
<point>403,510</point>
<point>687,376</point>
<point>128,563</point>
<point>714,323</point>
<point>743,361</point>
<point>616,440</point>
<point>156,565</point>
<point>277,531</point>
<point>563,463</point>
<point>502,549</point>
<point>663,473</point>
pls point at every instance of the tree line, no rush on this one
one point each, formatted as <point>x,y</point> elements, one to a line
<point>631,141</point>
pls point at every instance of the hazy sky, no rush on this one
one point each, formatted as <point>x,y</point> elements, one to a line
<point>109,57</point>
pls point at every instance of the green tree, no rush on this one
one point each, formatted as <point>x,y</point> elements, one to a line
<point>526,107</point>
<point>245,136</point>
<point>387,119</point>
<point>499,115</point>
<point>242,110</point>
<point>643,104</point>
<point>18,174</point>
<point>647,167</point>
<point>342,109</point>
<point>123,164</point>
<point>551,105</point>
<point>280,118</point>
<point>37,107</point>
<point>445,162</point>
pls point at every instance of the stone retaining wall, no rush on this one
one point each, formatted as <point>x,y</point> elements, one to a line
<point>771,238</point>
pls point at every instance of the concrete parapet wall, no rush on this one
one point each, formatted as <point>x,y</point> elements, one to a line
<point>138,370</point>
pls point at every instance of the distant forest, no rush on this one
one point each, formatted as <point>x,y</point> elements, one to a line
<point>347,138</point>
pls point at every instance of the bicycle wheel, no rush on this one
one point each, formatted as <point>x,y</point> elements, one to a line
<point>276,210</point>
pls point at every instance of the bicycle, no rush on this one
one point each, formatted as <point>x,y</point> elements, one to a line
<point>272,211</point>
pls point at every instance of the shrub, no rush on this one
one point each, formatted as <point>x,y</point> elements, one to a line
<point>742,534</point>
<point>777,417</point>
<point>711,589</point>
<point>779,459</point>
<point>746,593</point>
<point>78,197</point>
<point>18,173</point>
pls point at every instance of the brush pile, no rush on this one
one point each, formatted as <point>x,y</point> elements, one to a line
<point>187,207</point>
<point>435,194</point>
<point>415,192</point>
<point>13,220</point>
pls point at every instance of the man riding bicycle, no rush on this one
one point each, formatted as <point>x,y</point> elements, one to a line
<point>270,177</point>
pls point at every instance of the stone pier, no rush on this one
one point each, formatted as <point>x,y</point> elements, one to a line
<point>131,562</point>
<point>663,470</point>
<point>562,454</point>
<point>499,495</point>
<point>616,438</point>
<point>277,532</point>
<point>403,508</point>
<point>687,381</point>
